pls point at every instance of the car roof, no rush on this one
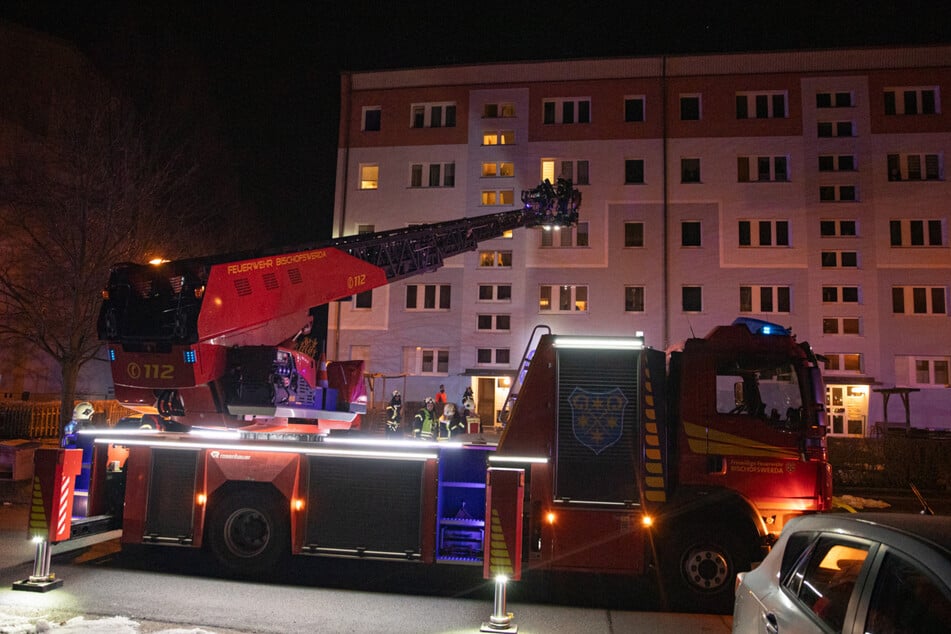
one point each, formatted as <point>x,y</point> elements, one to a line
<point>933,529</point>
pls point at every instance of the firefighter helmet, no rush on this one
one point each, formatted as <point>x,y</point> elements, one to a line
<point>83,411</point>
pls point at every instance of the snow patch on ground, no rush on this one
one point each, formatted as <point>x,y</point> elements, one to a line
<point>12,624</point>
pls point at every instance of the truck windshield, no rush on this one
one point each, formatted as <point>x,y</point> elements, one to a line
<point>771,393</point>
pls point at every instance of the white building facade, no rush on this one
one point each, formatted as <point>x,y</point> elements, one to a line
<point>804,188</point>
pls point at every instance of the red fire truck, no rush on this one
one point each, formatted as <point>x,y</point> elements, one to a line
<point>614,458</point>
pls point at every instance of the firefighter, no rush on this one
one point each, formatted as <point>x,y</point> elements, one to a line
<point>450,423</point>
<point>393,411</point>
<point>82,414</point>
<point>425,420</point>
<point>441,398</point>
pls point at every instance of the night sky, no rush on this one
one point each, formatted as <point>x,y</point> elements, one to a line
<point>268,71</point>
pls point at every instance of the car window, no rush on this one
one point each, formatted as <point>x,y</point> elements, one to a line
<point>796,543</point>
<point>907,599</point>
<point>825,576</point>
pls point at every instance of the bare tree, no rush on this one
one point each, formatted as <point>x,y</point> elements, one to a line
<point>96,190</point>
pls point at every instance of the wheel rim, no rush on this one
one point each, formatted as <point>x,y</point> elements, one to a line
<point>247,532</point>
<point>706,569</point>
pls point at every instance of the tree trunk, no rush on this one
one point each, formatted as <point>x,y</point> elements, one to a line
<point>70,376</point>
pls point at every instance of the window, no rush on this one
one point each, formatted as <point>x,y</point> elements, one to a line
<point>843,362</point>
<point>928,371</point>
<point>563,299</point>
<point>839,259</point>
<point>912,100</point>
<point>915,167</point>
<point>495,292</point>
<point>835,129</point>
<point>492,356</point>
<point>834,100</point>
<point>761,105</point>
<point>428,297</point>
<point>764,233</point>
<point>690,234</point>
<point>498,137</point>
<point>906,598</point>
<point>838,193</point>
<point>369,176</point>
<point>764,299</point>
<point>494,322</point>
<point>916,233</point>
<point>433,115</point>
<point>634,109</point>
<point>498,110</point>
<point>576,236</point>
<point>691,299</point>
<point>762,168</point>
<point>836,163</point>
<point>689,170</point>
<point>371,118</point>
<point>495,258</point>
<point>363,300</point>
<point>498,197</point>
<point>838,228</point>
<point>633,171</point>
<point>633,234</point>
<point>756,386</point>
<point>919,300</point>
<point>433,361</point>
<point>574,110</point>
<point>433,175</point>
<point>689,107</point>
<point>840,294</point>
<point>575,171</point>
<point>503,169</point>
<point>838,419</point>
<point>823,581</point>
<point>840,325</point>
<point>634,299</point>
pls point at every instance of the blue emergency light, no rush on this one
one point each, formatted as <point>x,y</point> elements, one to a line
<point>760,327</point>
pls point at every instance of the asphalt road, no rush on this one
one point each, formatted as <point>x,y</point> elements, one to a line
<point>162,591</point>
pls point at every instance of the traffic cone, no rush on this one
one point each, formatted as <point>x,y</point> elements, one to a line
<point>322,379</point>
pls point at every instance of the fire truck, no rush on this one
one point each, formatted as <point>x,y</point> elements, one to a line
<point>614,458</point>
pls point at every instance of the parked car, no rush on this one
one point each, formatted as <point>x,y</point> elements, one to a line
<point>872,573</point>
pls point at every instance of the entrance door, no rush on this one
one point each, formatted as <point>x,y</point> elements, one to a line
<point>486,405</point>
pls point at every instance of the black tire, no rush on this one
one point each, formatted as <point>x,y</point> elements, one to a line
<point>699,567</point>
<point>248,530</point>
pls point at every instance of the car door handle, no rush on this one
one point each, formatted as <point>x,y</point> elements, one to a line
<point>772,625</point>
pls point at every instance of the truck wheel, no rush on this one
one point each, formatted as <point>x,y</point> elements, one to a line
<point>699,568</point>
<point>248,530</point>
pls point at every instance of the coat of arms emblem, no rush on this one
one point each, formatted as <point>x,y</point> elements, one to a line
<point>597,418</point>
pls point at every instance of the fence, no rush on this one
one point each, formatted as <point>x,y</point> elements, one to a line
<point>891,461</point>
<point>39,420</point>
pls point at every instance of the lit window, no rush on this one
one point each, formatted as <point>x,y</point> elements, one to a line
<point>495,258</point>
<point>369,176</point>
<point>498,137</point>
<point>563,299</point>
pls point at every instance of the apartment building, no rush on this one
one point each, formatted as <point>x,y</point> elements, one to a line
<point>806,188</point>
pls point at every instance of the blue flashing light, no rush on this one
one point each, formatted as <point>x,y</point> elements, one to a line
<point>112,354</point>
<point>760,327</point>
<point>190,356</point>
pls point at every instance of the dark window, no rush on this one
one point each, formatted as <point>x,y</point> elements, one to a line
<point>484,355</point>
<point>371,120</point>
<point>690,234</point>
<point>633,109</point>
<point>633,234</point>
<point>411,296</point>
<point>690,170</point>
<point>850,294</point>
<point>549,112</point>
<point>690,108</point>
<point>634,299</point>
<point>568,112</point>
<point>584,111</point>
<point>762,106</point>
<point>503,292</point>
<point>898,300</point>
<point>746,299</point>
<point>434,170</point>
<point>633,171</point>
<point>779,106</point>
<point>894,230</point>
<point>746,238</point>
<point>830,294</point>
<point>829,259</point>
<point>928,102</point>
<point>485,292</point>
<point>742,107</point>
<point>846,163</point>
<point>826,163</point>
<point>782,233</point>
<point>849,258</point>
<point>906,599</point>
<point>692,297</point>
<point>935,234</point>
<point>501,355</point>
<point>450,116</point>
<point>364,300</point>
<point>890,107</point>
<point>827,228</point>
<point>765,233</point>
